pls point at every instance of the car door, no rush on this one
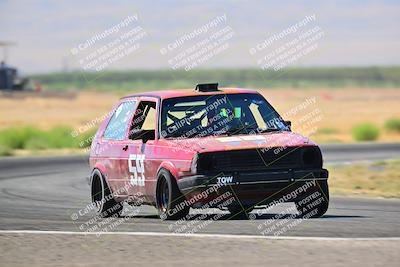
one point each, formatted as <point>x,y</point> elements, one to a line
<point>140,165</point>
<point>113,145</point>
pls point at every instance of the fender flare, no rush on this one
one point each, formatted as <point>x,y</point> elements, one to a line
<point>100,167</point>
<point>97,171</point>
<point>169,167</point>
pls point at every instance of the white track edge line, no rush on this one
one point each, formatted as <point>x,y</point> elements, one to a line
<point>200,235</point>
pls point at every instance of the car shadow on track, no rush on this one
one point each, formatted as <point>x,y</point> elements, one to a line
<point>229,217</point>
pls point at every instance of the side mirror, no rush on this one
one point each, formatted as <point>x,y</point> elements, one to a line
<point>147,135</point>
<point>288,124</point>
<point>144,138</point>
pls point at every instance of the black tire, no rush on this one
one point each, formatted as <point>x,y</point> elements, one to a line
<point>169,199</point>
<point>101,196</point>
<point>239,212</point>
<point>319,210</point>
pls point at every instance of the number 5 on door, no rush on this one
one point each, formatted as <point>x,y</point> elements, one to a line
<point>136,167</point>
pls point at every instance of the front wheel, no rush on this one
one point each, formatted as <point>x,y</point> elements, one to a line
<point>315,204</point>
<point>169,199</point>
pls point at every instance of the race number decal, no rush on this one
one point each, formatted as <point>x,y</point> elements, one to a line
<point>136,167</point>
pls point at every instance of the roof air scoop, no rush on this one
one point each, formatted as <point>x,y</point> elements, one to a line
<point>206,87</point>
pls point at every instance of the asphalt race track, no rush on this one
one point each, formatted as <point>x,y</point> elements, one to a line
<point>41,198</point>
<point>43,194</point>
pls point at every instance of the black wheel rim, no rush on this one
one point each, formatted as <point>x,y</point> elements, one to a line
<point>97,193</point>
<point>164,196</point>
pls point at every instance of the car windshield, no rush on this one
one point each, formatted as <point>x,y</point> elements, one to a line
<point>220,114</point>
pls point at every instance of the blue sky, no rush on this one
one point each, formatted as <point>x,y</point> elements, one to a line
<point>356,33</point>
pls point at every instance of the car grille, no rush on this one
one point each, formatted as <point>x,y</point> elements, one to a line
<point>257,159</point>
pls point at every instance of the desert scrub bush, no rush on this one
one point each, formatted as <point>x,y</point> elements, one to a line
<point>32,138</point>
<point>85,139</point>
<point>60,137</point>
<point>37,143</point>
<point>365,132</point>
<point>5,151</point>
<point>17,137</point>
<point>393,125</point>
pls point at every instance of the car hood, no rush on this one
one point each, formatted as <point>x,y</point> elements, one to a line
<point>237,142</point>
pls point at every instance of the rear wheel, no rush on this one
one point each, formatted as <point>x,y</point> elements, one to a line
<point>102,197</point>
<point>169,199</point>
<point>309,207</point>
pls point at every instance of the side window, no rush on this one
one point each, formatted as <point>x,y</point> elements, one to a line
<point>119,122</point>
<point>144,121</point>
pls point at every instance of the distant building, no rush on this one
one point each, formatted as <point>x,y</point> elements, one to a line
<point>7,76</point>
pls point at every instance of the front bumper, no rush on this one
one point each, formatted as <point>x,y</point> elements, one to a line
<point>238,179</point>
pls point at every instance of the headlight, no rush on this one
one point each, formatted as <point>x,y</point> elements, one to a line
<point>311,156</point>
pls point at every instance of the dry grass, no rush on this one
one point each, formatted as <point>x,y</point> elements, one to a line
<point>48,112</point>
<point>370,179</point>
<point>340,110</point>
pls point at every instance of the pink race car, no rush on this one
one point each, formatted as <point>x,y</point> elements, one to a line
<point>209,147</point>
